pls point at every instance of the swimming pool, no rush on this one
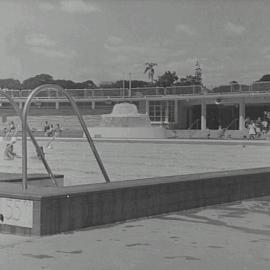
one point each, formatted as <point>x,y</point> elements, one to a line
<point>125,161</point>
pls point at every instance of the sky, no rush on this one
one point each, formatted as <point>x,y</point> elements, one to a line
<point>107,40</point>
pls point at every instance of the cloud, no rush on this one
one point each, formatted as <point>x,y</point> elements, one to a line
<point>47,6</point>
<point>39,40</point>
<point>117,46</point>
<point>212,68</point>
<point>133,54</point>
<point>184,29</point>
<point>266,50</point>
<point>42,44</point>
<point>53,53</point>
<point>124,48</point>
<point>114,40</point>
<point>78,6</point>
<point>234,29</point>
<point>181,65</point>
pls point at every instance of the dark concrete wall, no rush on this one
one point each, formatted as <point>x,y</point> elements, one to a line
<point>62,209</point>
<point>133,199</point>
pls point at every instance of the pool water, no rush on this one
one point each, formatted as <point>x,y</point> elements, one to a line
<point>125,161</point>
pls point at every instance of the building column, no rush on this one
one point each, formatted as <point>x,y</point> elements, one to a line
<point>190,112</point>
<point>242,115</point>
<point>147,107</point>
<point>20,105</point>
<point>93,105</point>
<point>57,105</point>
<point>166,120</point>
<point>176,111</point>
<point>203,116</point>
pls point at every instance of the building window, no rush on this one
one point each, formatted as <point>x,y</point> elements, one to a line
<point>162,111</point>
<point>171,111</point>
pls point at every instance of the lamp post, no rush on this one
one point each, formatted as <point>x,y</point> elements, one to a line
<point>123,85</point>
<point>129,85</point>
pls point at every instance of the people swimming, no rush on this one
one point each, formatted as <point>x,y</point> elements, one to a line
<point>58,130</point>
<point>46,128</point>
<point>40,152</point>
<point>10,131</point>
<point>51,133</point>
<point>9,153</point>
<point>12,127</point>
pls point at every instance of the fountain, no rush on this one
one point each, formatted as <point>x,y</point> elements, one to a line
<point>126,122</point>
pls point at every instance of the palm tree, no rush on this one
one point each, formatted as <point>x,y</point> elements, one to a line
<point>149,68</point>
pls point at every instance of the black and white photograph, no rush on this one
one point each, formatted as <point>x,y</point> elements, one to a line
<point>135,134</point>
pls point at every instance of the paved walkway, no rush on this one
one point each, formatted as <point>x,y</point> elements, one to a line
<point>232,236</point>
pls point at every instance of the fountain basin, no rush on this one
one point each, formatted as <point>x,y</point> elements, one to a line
<point>129,132</point>
<point>126,122</point>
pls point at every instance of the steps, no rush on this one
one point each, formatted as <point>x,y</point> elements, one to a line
<point>68,122</point>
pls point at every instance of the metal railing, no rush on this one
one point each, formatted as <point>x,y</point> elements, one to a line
<point>25,130</point>
<point>234,88</point>
<point>38,149</point>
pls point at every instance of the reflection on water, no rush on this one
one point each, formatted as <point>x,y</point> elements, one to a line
<point>125,161</point>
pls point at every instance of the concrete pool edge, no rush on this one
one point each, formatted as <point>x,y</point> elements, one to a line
<point>56,210</point>
<point>162,141</point>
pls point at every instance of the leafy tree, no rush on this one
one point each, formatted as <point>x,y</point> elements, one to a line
<point>265,78</point>
<point>120,83</point>
<point>37,80</point>
<point>167,79</point>
<point>149,69</point>
<point>195,79</point>
<point>221,89</point>
<point>68,84</point>
<point>188,80</point>
<point>40,79</point>
<point>198,73</point>
<point>138,83</point>
<point>10,84</point>
<point>89,84</point>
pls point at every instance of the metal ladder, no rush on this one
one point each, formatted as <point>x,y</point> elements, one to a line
<point>25,129</point>
<point>17,111</point>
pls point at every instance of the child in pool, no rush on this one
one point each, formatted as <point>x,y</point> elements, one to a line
<point>9,153</point>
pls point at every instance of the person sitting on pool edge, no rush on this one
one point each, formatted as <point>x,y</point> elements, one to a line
<point>9,153</point>
<point>40,153</point>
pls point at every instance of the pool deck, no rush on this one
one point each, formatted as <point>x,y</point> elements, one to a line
<point>16,177</point>
<point>230,236</point>
<point>11,184</point>
<point>55,210</point>
<point>225,236</point>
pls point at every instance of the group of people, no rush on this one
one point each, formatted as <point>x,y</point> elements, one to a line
<point>10,132</point>
<point>9,152</point>
<point>51,131</point>
<point>256,128</point>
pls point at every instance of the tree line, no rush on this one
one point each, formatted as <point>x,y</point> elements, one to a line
<point>33,82</point>
<point>169,78</point>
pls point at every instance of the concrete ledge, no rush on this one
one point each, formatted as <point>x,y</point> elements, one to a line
<point>33,179</point>
<point>56,210</point>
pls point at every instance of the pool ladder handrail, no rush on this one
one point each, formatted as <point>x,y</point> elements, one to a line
<point>38,149</point>
<point>26,107</point>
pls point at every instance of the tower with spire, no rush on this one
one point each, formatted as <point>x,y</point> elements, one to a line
<point>198,73</point>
